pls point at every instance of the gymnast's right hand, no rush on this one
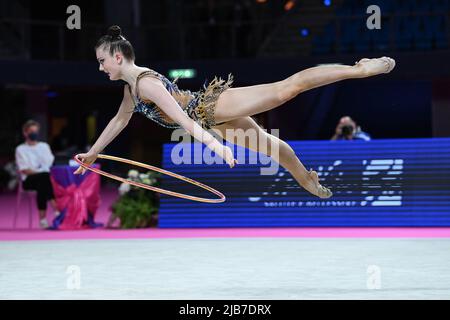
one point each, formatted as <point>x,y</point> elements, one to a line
<point>87,158</point>
<point>228,156</point>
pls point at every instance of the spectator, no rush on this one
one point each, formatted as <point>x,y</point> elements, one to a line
<point>34,159</point>
<point>347,129</point>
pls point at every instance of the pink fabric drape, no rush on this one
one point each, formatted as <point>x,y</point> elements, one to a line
<point>78,201</point>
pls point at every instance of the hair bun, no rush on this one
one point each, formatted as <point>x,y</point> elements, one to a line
<point>115,32</point>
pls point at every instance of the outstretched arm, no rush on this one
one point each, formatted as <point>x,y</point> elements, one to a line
<point>114,127</point>
<point>154,90</point>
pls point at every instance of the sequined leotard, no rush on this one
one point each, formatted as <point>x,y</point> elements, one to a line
<point>198,105</point>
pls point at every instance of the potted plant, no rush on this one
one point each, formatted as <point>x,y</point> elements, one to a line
<point>136,207</point>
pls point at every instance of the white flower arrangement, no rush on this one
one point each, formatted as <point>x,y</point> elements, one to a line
<point>124,188</point>
<point>134,175</point>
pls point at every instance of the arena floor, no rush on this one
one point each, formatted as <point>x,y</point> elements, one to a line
<point>226,268</point>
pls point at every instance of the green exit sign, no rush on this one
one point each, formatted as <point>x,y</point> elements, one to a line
<point>182,73</point>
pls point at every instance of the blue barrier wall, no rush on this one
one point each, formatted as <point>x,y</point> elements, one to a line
<point>401,182</point>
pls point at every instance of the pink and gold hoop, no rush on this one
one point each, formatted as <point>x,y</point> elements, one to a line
<point>148,187</point>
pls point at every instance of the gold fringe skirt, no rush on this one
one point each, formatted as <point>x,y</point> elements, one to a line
<point>203,106</point>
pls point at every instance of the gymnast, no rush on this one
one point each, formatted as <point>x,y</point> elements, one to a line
<point>217,106</point>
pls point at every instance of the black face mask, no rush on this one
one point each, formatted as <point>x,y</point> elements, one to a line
<point>33,136</point>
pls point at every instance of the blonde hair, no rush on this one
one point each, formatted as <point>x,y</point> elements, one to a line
<point>30,123</point>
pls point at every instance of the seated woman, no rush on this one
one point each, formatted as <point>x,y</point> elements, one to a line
<point>34,159</point>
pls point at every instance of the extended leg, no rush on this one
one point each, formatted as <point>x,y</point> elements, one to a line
<point>241,102</point>
<point>284,154</point>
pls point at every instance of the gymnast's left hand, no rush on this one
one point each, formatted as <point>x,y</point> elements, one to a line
<point>87,158</point>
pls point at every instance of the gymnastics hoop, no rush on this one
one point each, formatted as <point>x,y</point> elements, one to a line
<point>148,187</point>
